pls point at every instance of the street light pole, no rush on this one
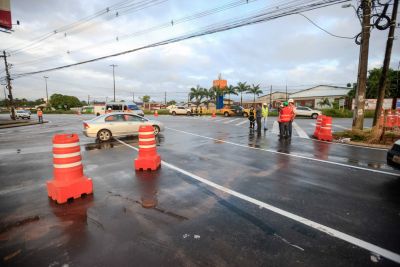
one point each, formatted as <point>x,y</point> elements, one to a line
<point>113,66</point>
<point>47,94</point>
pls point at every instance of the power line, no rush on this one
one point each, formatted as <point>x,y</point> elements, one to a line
<point>319,27</point>
<point>254,19</point>
<point>168,24</point>
<point>118,8</point>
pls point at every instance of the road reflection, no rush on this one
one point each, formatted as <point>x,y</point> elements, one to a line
<point>148,186</point>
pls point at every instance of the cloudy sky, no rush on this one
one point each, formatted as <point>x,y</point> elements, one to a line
<point>288,50</point>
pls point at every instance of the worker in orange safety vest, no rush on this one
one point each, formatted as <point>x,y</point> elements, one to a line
<point>40,115</point>
<point>285,116</point>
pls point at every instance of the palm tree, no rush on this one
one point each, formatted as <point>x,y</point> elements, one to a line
<point>255,90</point>
<point>242,87</point>
<point>197,94</point>
<point>230,90</point>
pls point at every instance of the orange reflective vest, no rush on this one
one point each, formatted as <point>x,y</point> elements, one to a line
<point>285,115</point>
<point>40,113</point>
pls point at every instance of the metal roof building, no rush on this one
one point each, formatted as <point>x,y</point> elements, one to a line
<point>313,96</point>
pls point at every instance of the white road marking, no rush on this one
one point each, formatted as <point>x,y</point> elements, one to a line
<point>275,128</point>
<point>288,155</point>
<point>221,119</point>
<point>300,131</point>
<point>226,122</point>
<point>242,122</point>
<point>317,226</point>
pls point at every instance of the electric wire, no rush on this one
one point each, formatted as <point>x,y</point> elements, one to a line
<point>80,23</point>
<point>255,19</point>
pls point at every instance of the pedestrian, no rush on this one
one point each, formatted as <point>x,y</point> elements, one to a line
<point>293,108</point>
<point>258,117</point>
<point>285,115</point>
<point>265,115</point>
<point>40,115</point>
<point>191,111</point>
<point>201,111</point>
<point>196,111</point>
<point>251,117</point>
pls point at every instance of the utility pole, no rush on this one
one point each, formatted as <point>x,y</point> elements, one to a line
<point>286,93</point>
<point>133,97</point>
<point>10,96</point>
<point>394,102</point>
<point>358,122</point>
<point>386,64</point>
<point>47,94</point>
<point>88,100</point>
<point>5,96</point>
<point>113,66</point>
<point>165,98</point>
<point>270,97</point>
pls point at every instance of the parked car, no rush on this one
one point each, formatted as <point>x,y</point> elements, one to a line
<point>307,112</point>
<point>117,124</point>
<point>22,114</point>
<point>180,110</point>
<point>393,155</point>
<point>234,110</point>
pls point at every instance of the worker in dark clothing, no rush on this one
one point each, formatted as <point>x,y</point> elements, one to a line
<point>258,117</point>
<point>201,111</point>
<point>252,118</point>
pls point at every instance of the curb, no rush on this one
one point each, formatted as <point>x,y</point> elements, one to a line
<point>13,125</point>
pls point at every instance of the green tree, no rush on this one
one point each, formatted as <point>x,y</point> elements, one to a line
<point>146,99</point>
<point>373,83</point>
<point>230,90</point>
<point>60,101</point>
<point>171,102</point>
<point>197,94</point>
<point>255,90</point>
<point>241,88</point>
<point>324,102</point>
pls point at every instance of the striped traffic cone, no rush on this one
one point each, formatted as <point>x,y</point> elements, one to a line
<point>69,181</point>
<point>148,159</point>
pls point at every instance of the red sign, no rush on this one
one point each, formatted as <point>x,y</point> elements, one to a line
<point>5,14</point>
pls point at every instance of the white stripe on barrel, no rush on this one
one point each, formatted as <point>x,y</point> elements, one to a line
<point>64,156</point>
<point>146,139</point>
<point>65,145</point>
<point>146,133</point>
<point>68,165</point>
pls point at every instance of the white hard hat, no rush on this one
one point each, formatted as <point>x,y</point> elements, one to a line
<point>264,104</point>
<point>109,108</point>
<point>291,100</point>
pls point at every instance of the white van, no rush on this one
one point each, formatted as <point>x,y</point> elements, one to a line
<point>129,107</point>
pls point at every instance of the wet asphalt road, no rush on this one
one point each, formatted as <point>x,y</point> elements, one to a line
<point>347,188</point>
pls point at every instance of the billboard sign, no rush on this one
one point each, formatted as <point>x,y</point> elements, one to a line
<point>5,14</point>
<point>370,104</point>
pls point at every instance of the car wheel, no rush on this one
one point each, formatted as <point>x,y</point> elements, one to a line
<point>188,113</point>
<point>226,114</point>
<point>173,113</point>
<point>104,135</point>
<point>156,129</point>
<point>314,115</point>
<point>245,114</point>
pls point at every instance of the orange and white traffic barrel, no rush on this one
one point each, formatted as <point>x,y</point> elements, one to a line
<point>325,132</point>
<point>318,125</point>
<point>69,181</point>
<point>148,159</point>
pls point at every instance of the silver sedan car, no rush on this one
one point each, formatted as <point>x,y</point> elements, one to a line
<point>117,124</point>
